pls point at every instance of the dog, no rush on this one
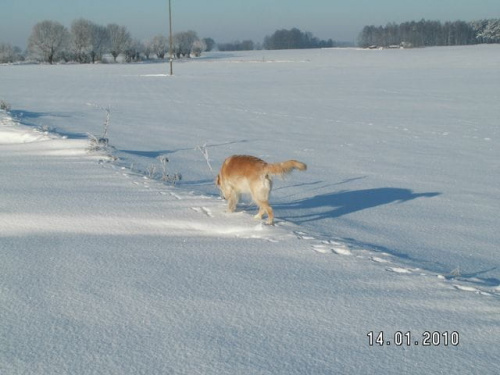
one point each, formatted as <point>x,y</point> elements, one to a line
<point>243,174</point>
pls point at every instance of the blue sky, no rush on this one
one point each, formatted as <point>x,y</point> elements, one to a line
<point>230,20</point>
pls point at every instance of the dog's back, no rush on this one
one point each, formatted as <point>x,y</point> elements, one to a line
<point>241,174</point>
<point>243,167</point>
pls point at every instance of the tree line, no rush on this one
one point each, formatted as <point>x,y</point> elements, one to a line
<point>427,33</point>
<point>284,39</point>
<point>296,39</point>
<point>88,42</point>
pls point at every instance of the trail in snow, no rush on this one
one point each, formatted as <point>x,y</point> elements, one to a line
<point>11,133</point>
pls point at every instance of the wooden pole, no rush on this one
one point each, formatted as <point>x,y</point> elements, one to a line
<point>171,40</point>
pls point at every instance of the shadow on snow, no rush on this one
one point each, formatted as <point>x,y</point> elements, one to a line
<point>35,120</point>
<point>338,204</point>
<point>346,202</point>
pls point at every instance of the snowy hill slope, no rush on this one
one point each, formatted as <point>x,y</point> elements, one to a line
<point>104,271</point>
<point>392,228</point>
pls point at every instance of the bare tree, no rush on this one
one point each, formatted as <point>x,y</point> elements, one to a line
<point>47,39</point>
<point>119,39</point>
<point>159,46</point>
<point>198,47</point>
<point>183,43</point>
<point>100,41</point>
<point>148,49</point>
<point>210,43</point>
<point>9,54</point>
<point>81,39</point>
<point>88,40</point>
<point>134,50</point>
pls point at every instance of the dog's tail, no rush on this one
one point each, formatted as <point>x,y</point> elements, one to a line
<point>285,167</point>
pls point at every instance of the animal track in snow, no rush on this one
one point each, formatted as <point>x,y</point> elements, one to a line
<point>328,247</point>
<point>379,260</point>
<point>466,288</point>
<point>398,270</point>
<point>203,210</point>
<point>175,196</point>
<point>322,249</point>
<point>341,250</point>
<point>303,236</point>
<point>338,248</point>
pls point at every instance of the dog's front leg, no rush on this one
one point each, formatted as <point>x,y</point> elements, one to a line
<point>232,201</point>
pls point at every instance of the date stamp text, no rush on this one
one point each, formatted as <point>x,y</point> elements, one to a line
<point>400,338</point>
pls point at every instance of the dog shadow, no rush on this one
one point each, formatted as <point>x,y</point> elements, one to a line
<point>344,202</point>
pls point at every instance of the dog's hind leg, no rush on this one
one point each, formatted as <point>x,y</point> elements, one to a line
<point>265,208</point>
<point>261,213</point>
<point>260,195</point>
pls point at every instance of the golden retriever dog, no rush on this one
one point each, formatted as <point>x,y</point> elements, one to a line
<point>244,174</point>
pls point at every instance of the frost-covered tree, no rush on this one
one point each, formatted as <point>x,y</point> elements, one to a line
<point>100,42</point>
<point>159,46</point>
<point>183,43</point>
<point>134,51</point>
<point>119,39</point>
<point>198,47</point>
<point>9,54</point>
<point>492,31</point>
<point>88,40</point>
<point>487,31</point>
<point>148,49</point>
<point>81,39</point>
<point>47,39</point>
<point>209,43</point>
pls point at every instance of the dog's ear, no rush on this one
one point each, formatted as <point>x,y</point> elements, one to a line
<point>217,180</point>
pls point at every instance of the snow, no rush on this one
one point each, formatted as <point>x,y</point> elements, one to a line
<point>105,268</point>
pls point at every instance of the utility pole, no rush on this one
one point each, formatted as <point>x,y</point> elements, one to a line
<point>171,40</point>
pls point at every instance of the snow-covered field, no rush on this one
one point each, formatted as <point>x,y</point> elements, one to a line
<point>394,227</point>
